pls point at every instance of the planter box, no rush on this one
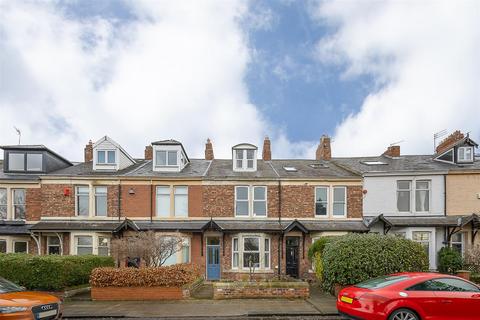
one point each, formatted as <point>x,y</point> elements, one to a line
<point>144,293</point>
<point>270,289</point>
<point>465,274</point>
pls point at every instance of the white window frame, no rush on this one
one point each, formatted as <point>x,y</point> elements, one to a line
<point>244,159</point>
<point>169,194</point>
<point>53,245</point>
<point>261,250</point>
<point>410,189</point>
<point>106,151</point>
<point>95,195</point>
<point>235,252</point>
<point>267,251</point>
<point>77,202</point>
<point>175,195</point>
<point>15,241</point>
<point>19,204</point>
<point>101,246</point>
<point>464,159</point>
<point>250,201</point>
<point>327,213</point>
<point>6,203</point>
<point>344,202</point>
<point>433,241</point>
<point>167,162</point>
<point>95,241</point>
<point>429,189</point>
<point>461,243</point>
<point>6,244</point>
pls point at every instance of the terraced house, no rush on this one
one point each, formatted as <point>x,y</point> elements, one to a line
<point>232,213</point>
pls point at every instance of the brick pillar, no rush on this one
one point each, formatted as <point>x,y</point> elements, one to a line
<point>267,152</point>
<point>148,153</point>
<point>324,151</point>
<point>88,151</point>
<point>209,150</point>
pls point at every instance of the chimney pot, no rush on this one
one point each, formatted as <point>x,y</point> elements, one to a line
<point>267,151</point>
<point>324,150</point>
<point>209,150</point>
<point>148,152</point>
<point>88,151</point>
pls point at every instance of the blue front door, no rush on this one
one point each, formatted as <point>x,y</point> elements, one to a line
<point>213,262</point>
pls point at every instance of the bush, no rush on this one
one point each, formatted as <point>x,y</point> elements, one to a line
<point>318,246</point>
<point>50,272</point>
<point>475,277</point>
<point>472,259</point>
<point>449,260</point>
<point>354,258</point>
<point>172,276</point>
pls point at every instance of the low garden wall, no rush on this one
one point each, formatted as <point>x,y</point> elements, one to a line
<point>261,289</point>
<point>163,283</point>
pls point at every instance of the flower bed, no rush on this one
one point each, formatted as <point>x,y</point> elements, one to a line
<point>261,289</point>
<point>163,283</point>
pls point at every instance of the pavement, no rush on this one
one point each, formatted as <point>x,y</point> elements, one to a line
<point>318,306</point>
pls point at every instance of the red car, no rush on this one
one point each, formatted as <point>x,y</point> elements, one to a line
<point>411,296</point>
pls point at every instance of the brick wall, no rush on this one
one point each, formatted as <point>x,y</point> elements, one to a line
<point>54,203</point>
<point>354,202</point>
<point>33,200</point>
<point>233,290</point>
<point>195,251</point>
<point>218,201</point>
<point>298,201</point>
<point>137,293</point>
<point>137,204</point>
<point>112,201</point>
<point>195,201</point>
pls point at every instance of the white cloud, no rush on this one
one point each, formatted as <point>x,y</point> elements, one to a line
<point>423,56</point>
<point>176,71</point>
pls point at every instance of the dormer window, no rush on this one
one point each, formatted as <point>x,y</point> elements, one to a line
<point>169,156</point>
<point>106,157</point>
<point>245,157</point>
<point>32,162</point>
<point>465,154</point>
<point>32,159</point>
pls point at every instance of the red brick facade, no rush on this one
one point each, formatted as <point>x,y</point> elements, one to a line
<point>33,201</point>
<point>55,203</point>
<point>354,202</point>
<point>298,201</point>
<point>218,201</point>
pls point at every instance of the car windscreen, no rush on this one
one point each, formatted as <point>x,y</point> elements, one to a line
<point>380,282</point>
<point>7,286</point>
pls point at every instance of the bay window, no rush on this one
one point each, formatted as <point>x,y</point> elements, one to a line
<point>19,204</point>
<point>457,242</point>
<point>235,253</point>
<point>423,237</point>
<point>251,252</point>
<point>53,245</point>
<point>20,246</point>
<point>266,254</point>
<point>84,245</point>
<point>103,246</point>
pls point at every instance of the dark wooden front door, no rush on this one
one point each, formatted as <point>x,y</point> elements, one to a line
<point>291,248</point>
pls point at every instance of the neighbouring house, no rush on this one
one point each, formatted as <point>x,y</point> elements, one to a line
<point>429,199</point>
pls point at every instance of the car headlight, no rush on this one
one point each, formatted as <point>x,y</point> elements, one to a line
<point>12,309</point>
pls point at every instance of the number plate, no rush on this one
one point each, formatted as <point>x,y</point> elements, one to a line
<point>346,299</point>
<point>45,314</point>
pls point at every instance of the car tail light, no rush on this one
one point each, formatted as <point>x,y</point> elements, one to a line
<point>373,297</point>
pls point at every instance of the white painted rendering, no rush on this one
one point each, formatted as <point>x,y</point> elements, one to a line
<point>381,196</point>
<point>122,158</point>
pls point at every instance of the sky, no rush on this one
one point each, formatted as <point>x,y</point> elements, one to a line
<point>366,73</point>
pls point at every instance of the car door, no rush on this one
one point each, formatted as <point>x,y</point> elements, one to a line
<point>421,297</point>
<point>458,299</point>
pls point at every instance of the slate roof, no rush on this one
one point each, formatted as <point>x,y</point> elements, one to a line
<point>14,228</point>
<point>167,142</point>
<point>311,169</point>
<point>16,176</point>
<point>221,169</point>
<point>406,163</point>
<point>442,221</point>
<point>107,226</point>
<point>86,169</point>
<point>194,169</point>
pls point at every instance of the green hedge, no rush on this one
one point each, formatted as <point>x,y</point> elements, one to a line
<point>354,258</point>
<point>51,272</point>
<point>475,277</point>
<point>449,260</point>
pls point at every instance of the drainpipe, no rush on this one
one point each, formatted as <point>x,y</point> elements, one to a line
<point>151,201</point>
<point>119,200</point>
<point>280,238</point>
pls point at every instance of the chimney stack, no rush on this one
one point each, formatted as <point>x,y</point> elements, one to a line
<point>449,141</point>
<point>88,151</point>
<point>267,151</point>
<point>148,153</point>
<point>324,151</point>
<point>209,150</point>
<point>392,151</point>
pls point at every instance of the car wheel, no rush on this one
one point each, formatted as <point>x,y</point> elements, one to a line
<point>403,314</point>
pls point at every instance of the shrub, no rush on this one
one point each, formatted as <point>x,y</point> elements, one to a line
<point>472,259</point>
<point>172,276</point>
<point>449,260</point>
<point>354,258</point>
<point>318,246</point>
<point>475,277</point>
<point>50,272</point>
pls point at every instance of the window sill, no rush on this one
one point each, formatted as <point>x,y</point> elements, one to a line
<point>247,271</point>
